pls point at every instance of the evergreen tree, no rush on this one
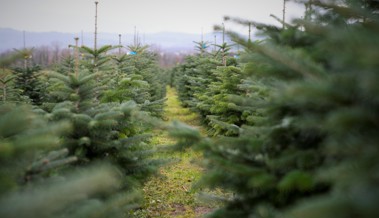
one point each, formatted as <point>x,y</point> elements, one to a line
<point>202,82</point>
<point>140,80</point>
<point>66,66</point>
<point>201,47</point>
<point>96,59</point>
<point>23,84</point>
<point>28,81</point>
<point>313,153</point>
<point>45,186</point>
<point>102,131</point>
<point>224,115</point>
<point>8,92</point>
<point>196,75</point>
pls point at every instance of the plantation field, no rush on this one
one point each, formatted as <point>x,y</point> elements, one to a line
<point>281,127</point>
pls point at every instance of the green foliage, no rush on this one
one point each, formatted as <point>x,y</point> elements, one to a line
<point>101,131</point>
<point>22,133</point>
<point>94,168</point>
<point>96,59</point>
<point>13,57</point>
<point>31,187</point>
<point>106,149</point>
<point>206,86</point>
<point>27,80</point>
<point>201,47</point>
<point>308,144</point>
<point>22,87</point>
<point>224,115</point>
<point>66,66</point>
<point>139,79</point>
<point>138,48</point>
<point>8,92</point>
<point>188,135</point>
<point>195,76</point>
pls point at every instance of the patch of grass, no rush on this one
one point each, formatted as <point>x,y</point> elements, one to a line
<point>174,111</point>
<point>170,194</point>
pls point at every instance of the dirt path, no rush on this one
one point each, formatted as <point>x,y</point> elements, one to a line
<point>170,194</point>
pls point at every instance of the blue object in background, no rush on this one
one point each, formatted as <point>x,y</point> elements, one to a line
<point>133,53</point>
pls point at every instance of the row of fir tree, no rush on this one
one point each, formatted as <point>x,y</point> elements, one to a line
<point>294,119</point>
<point>74,140</point>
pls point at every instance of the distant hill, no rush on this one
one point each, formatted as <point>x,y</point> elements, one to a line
<point>164,41</point>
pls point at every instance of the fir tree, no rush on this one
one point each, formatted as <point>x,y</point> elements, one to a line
<point>8,91</point>
<point>96,59</point>
<point>101,131</point>
<point>195,77</point>
<point>224,117</point>
<point>313,153</point>
<point>140,80</point>
<point>66,66</point>
<point>20,84</point>
<point>28,81</point>
<point>201,47</point>
<point>200,82</point>
<point>45,186</point>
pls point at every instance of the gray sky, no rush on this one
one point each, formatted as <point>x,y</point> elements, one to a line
<point>120,16</point>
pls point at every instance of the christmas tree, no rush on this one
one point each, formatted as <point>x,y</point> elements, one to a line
<point>308,148</point>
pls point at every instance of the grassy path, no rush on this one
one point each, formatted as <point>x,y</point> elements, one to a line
<point>170,195</point>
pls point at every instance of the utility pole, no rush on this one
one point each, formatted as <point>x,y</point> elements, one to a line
<point>24,40</point>
<point>135,36</point>
<point>119,43</point>
<point>76,56</point>
<point>223,45</point>
<point>202,44</point>
<point>249,32</point>
<point>284,13</point>
<point>82,43</point>
<point>95,45</point>
<point>215,43</point>
<point>202,34</point>
<point>26,55</point>
<point>223,33</point>
<point>138,39</point>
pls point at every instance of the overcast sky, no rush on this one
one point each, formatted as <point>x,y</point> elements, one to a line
<point>150,16</point>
